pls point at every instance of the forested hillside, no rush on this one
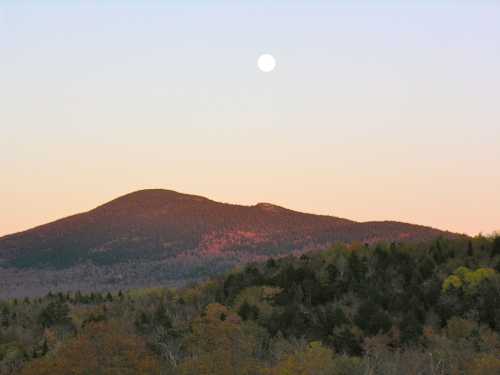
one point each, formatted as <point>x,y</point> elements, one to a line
<point>394,308</point>
<point>161,237</point>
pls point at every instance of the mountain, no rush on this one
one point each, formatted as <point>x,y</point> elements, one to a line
<point>161,236</point>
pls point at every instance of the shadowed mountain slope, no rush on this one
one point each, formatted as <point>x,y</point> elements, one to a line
<point>178,232</point>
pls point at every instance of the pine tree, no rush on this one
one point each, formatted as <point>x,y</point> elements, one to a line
<point>4,317</point>
<point>55,313</point>
<point>161,317</point>
<point>45,347</point>
<point>78,297</point>
<point>271,263</point>
<point>411,328</point>
<point>470,249</point>
<point>495,250</point>
<point>248,312</point>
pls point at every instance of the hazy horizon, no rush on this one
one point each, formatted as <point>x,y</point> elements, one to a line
<point>383,111</point>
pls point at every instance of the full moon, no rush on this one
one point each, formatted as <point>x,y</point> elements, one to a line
<point>266,63</point>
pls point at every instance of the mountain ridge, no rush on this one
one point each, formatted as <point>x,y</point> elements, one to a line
<point>175,236</point>
<point>261,205</point>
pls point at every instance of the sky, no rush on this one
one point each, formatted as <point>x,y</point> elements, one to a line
<point>379,110</point>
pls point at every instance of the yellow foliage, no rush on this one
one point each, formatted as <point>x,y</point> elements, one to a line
<point>475,278</point>
<point>488,364</point>
<point>218,345</point>
<point>452,281</point>
<point>465,278</point>
<point>462,272</point>
<point>345,365</point>
<point>313,360</point>
<point>155,292</point>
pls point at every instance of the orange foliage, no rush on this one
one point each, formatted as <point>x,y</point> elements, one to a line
<point>101,349</point>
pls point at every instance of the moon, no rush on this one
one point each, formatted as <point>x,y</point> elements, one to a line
<point>266,63</point>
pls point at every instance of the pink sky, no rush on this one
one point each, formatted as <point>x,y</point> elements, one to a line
<point>373,113</point>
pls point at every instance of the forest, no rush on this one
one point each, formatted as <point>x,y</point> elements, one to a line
<point>359,309</point>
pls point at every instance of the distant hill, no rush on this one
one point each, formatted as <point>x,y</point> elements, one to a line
<point>154,236</point>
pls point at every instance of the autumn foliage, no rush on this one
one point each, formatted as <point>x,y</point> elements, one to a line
<point>100,349</point>
<point>391,309</point>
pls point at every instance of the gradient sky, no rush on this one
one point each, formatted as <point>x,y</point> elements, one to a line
<point>379,110</point>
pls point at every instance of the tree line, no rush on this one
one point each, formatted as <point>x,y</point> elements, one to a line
<point>388,308</point>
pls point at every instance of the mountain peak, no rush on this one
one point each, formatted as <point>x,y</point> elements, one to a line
<point>153,235</point>
<point>269,206</point>
<point>151,198</point>
<point>158,194</point>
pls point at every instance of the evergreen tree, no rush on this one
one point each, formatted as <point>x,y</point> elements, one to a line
<point>4,317</point>
<point>56,313</point>
<point>161,316</point>
<point>470,249</point>
<point>248,312</point>
<point>372,319</point>
<point>45,347</point>
<point>495,250</point>
<point>271,263</point>
<point>78,297</point>
<point>333,273</point>
<point>109,297</point>
<point>411,329</point>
